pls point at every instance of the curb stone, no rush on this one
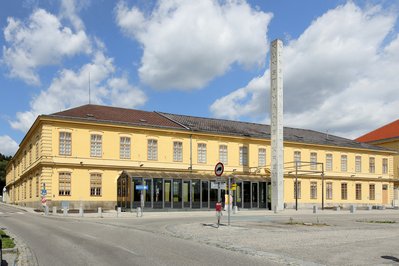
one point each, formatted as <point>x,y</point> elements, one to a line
<point>24,255</point>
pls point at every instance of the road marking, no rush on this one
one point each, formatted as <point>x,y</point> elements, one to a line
<point>19,212</point>
<point>128,250</point>
<point>1,213</point>
<point>90,236</point>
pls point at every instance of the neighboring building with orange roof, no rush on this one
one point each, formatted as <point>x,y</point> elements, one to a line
<point>386,136</point>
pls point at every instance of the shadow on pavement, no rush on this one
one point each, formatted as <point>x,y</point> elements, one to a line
<point>395,259</point>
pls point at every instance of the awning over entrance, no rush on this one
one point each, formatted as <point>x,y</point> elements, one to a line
<point>191,176</point>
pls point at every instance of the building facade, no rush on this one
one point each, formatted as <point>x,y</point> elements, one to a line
<point>78,158</point>
<point>387,136</point>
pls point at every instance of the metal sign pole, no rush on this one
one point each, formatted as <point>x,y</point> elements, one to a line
<point>228,200</point>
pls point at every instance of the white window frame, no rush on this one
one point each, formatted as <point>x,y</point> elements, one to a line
<point>223,154</point>
<point>64,184</point>
<point>65,143</point>
<point>297,158</point>
<point>313,161</point>
<point>152,149</point>
<point>177,151</point>
<point>261,157</point>
<point>384,165</point>
<point>344,163</point>
<point>358,164</point>
<point>124,148</point>
<point>201,152</point>
<point>95,185</point>
<point>372,164</point>
<point>329,162</point>
<point>96,145</point>
<point>244,155</point>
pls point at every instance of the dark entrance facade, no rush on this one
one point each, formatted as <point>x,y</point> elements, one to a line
<point>187,191</point>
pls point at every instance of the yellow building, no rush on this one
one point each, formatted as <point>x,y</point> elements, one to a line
<point>83,157</point>
<point>387,136</point>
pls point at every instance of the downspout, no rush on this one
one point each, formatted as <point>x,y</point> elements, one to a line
<point>191,153</point>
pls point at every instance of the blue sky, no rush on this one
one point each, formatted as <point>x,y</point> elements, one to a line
<point>203,58</point>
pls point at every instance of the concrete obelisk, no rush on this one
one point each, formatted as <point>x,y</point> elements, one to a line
<point>276,110</point>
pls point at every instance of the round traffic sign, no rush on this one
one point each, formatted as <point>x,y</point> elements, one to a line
<point>44,200</point>
<point>219,168</point>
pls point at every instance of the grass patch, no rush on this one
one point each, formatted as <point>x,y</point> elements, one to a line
<point>317,223</point>
<point>7,241</point>
<point>377,221</point>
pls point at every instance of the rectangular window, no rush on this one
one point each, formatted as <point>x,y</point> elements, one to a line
<point>344,163</point>
<point>95,184</point>
<point>37,185</point>
<point>313,161</point>
<point>96,146</point>
<point>262,157</point>
<point>344,191</point>
<point>385,166</point>
<point>297,158</point>
<point>178,151</point>
<point>372,165</point>
<point>329,162</point>
<point>313,190</point>
<point>223,157</point>
<point>358,164</point>
<point>299,189</point>
<point>358,191</point>
<point>124,148</point>
<point>30,154</point>
<point>372,192</point>
<point>37,148</point>
<point>152,149</point>
<point>24,159</point>
<point>64,184</point>
<point>30,188</point>
<point>244,155</point>
<point>201,153</point>
<point>329,191</point>
<point>65,143</point>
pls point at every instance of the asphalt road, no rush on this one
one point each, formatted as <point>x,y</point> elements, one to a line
<point>72,241</point>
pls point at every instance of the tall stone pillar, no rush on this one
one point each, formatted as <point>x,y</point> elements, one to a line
<point>276,110</point>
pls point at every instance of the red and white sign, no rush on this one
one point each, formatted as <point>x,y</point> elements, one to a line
<point>219,168</point>
<point>44,200</point>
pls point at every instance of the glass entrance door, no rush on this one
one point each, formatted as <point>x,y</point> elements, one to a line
<point>147,193</point>
<point>195,194</point>
<point>247,194</point>
<point>262,195</point>
<point>238,195</point>
<point>167,190</point>
<point>205,194</point>
<point>136,193</point>
<point>177,193</point>
<point>254,195</point>
<point>186,194</point>
<point>157,198</point>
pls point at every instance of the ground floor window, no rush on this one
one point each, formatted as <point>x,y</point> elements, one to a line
<point>329,191</point>
<point>95,184</point>
<point>64,184</point>
<point>344,191</point>
<point>297,190</point>
<point>372,192</point>
<point>358,191</point>
<point>313,190</point>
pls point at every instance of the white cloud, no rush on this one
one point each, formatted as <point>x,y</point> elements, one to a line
<point>71,88</point>
<point>188,43</point>
<point>339,75</point>
<point>69,10</point>
<point>41,41</point>
<point>8,146</point>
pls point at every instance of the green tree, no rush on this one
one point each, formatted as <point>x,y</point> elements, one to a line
<point>3,163</point>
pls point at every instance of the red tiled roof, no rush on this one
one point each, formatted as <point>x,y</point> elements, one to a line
<point>388,131</point>
<point>121,115</point>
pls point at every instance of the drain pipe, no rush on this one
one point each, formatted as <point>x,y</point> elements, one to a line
<point>191,153</point>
